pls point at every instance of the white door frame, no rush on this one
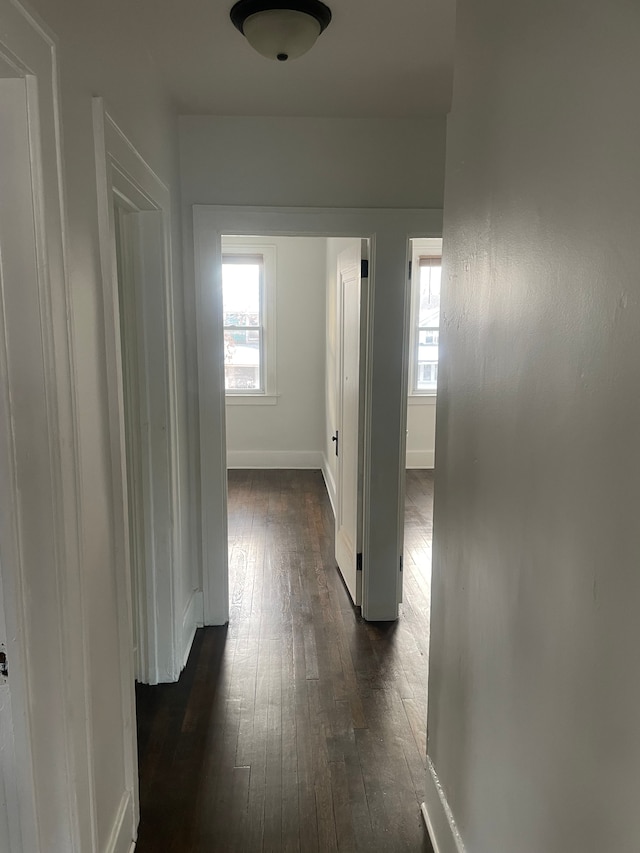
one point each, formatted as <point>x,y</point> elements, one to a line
<point>40,510</point>
<point>122,173</point>
<point>389,232</point>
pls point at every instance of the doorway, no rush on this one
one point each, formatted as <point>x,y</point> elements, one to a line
<point>134,210</point>
<point>385,416</point>
<point>294,327</point>
<point>425,273</point>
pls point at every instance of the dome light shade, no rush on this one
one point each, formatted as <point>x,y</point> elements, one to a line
<point>281,29</point>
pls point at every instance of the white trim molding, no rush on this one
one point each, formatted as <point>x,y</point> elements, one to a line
<point>40,516</point>
<point>191,620</point>
<point>330,482</point>
<point>123,174</point>
<point>438,817</point>
<point>251,399</point>
<point>298,459</point>
<point>422,399</point>
<point>120,840</point>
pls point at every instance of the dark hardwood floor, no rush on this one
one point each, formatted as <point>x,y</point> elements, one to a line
<point>299,727</point>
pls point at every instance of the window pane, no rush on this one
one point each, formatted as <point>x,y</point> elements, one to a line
<point>427,372</point>
<point>242,360</point>
<point>430,276</point>
<point>241,294</point>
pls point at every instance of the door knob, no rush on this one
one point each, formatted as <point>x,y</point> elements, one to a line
<point>335,438</point>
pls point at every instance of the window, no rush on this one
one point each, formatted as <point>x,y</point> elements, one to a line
<point>426,324</point>
<point>249,320</point>
<point>243,308</point>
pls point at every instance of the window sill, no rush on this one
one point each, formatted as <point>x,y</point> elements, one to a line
<point>423,399</point>
<point>251,399</point>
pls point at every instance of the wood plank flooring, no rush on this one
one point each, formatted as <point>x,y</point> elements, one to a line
<point>298,727</point>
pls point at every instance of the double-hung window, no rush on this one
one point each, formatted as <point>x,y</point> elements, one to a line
<point>426,276</point>
<point>249,320</point>
<point>426,378</point>
<point>243,307</point>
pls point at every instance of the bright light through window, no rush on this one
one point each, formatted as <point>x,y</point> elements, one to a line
<point>426,361</point>
<point>242,288</point>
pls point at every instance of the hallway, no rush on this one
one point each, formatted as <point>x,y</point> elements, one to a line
<point>299,726</point>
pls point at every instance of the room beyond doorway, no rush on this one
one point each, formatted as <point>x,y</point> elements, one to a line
<point>294,321</point>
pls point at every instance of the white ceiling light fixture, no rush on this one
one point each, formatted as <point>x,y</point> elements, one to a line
<point>281,29</point>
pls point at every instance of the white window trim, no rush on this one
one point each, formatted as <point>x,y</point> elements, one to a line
<point>423,398</point>
<point>425,247</point>
<point>268,396</point>
<point>257,398</point>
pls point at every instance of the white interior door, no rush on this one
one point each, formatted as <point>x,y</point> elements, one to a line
<point>349,443</point>
<point>21,382</point>
<point>10,835</point>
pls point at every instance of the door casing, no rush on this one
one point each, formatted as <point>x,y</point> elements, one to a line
<point>40,508</point>
<point>388,232</point>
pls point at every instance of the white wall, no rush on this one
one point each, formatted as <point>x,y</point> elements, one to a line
<point>421,432</point>
<point>289,434</point>
<point>100,54</point>
<point>312,162</point>
<point>534,684</point>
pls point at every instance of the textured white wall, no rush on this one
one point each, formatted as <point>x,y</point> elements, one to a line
<point>534,683</point>
<point>291,433</point>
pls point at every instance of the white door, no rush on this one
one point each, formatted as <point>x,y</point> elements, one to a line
<point>349,445</point>
<point>10,835</point>
<point>18,312</point>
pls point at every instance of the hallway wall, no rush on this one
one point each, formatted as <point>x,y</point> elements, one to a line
<point>100,53</point>
<point>534,684</point>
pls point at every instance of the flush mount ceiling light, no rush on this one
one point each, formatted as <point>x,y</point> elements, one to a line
<point>281,29</point>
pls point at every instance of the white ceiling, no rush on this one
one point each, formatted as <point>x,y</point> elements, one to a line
<point>376,59</point>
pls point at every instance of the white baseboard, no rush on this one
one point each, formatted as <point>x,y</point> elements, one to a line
<point>421,459</point>
<point>438,816</point>
<point>329,482</point>
<point>274,459</point>
<point>121,837</point>
<point>190,621</point>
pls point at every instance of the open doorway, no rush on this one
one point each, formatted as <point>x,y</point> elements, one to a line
<point>134,209</point>
<point>425,274</point>
<point>385,398</point>
<point>294,325</point>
